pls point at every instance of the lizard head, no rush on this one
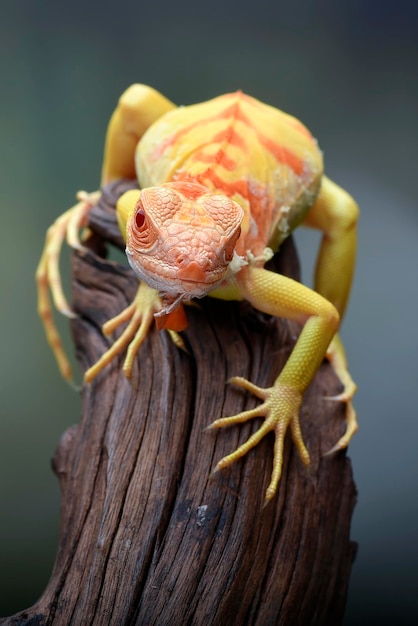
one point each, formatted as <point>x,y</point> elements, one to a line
<point>181,240</point>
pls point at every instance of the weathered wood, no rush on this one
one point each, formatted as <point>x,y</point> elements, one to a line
<point>147,535</point>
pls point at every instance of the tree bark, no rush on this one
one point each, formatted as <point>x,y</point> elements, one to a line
<point>148,535</point>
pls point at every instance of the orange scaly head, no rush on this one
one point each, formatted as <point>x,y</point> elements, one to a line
<point>181,240</point>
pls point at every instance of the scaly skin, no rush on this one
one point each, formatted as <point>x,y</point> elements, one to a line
<point>222,184</point>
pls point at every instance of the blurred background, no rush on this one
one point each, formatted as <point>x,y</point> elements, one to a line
<point>348,69</point>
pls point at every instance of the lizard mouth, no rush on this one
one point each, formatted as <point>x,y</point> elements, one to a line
<point>189,289</point>
<point>177,283</point>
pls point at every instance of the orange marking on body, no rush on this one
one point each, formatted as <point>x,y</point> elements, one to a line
<point>173,139</point>
<point>219,158</point>
<point>233,111</point>
<point>189,189</point>
<point>231,136</point>
<point>225,161</point>
<point>227,113</point>
<point>229,188</point>
<point>282,154</point>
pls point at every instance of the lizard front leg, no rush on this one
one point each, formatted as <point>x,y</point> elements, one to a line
<point>283,297</point>
<point>137,109</point>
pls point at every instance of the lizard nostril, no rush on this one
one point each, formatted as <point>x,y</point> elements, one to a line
<point>181,259</point>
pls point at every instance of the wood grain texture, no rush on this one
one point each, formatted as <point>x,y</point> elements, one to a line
<point>147,535</point>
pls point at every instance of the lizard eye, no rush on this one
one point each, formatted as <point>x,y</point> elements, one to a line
<point>140,219</point>
<point>140,230</point>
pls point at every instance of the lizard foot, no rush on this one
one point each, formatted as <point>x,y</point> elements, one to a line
<point>280,409</point>
<point>139,315</point>
<point>48,278</point>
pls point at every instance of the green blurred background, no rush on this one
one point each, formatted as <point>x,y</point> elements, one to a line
<point>349,70</point>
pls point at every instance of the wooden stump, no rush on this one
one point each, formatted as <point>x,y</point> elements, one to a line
<point>147,535</point>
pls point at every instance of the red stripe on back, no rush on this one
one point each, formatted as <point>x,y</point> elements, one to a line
<point>229,188</point>
<point>220,158</point>
<point>282,154</point>
<point>230,136</point>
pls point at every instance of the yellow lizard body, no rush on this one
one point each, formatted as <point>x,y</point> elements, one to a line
<point>260,157</point>
<point>222,184</point>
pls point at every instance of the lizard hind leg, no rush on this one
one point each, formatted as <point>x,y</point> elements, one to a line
<point>48,278</point>
<point>335,213</point>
